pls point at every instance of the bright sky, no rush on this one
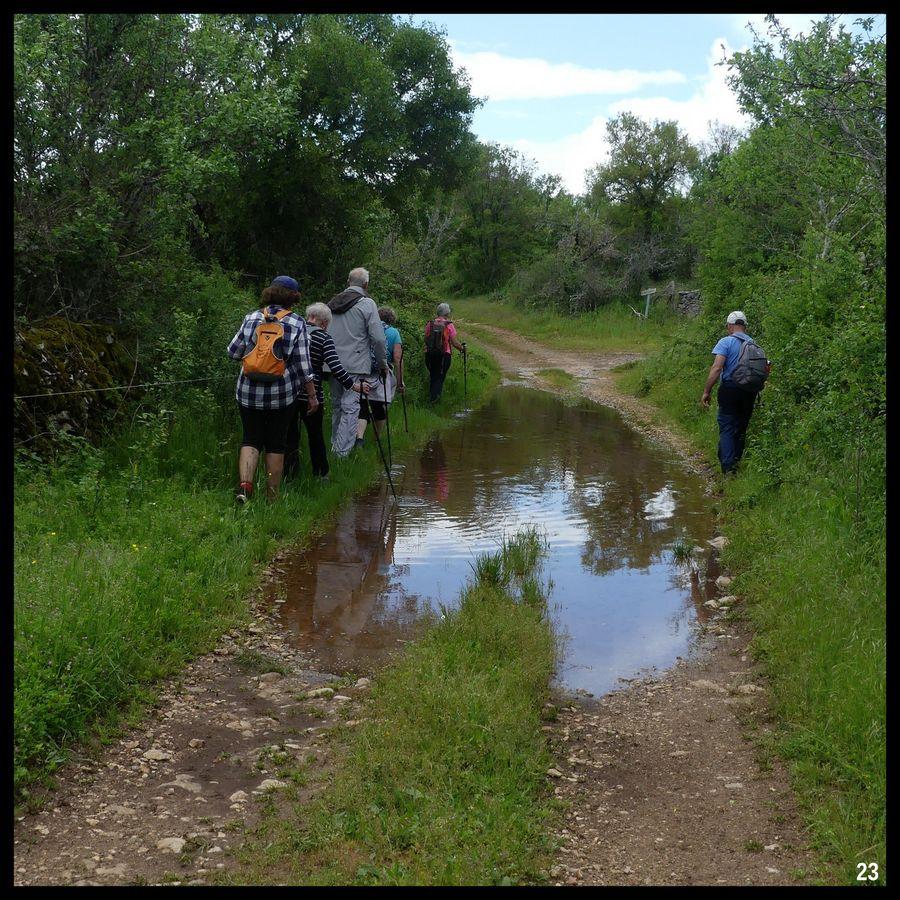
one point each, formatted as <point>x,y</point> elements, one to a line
<point>551,82</point>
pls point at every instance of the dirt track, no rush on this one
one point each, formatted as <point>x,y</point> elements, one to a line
<point>521,358</point>
<point>662,784</point>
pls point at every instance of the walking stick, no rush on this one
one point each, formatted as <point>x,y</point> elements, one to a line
<point>380,449</point>
<point>465,374</point>
<point>403,393</point>
<point>387,417</point>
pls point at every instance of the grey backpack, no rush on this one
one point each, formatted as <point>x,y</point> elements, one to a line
<point>752,368</point>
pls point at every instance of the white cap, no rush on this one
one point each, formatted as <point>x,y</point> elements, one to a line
<point>736,318</point>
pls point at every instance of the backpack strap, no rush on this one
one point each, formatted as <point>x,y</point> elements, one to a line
<point>275,317</point>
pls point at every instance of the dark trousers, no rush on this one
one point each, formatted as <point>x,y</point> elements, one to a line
<point>735,409</point>
<point>438,364</point>
<point>317,454</point>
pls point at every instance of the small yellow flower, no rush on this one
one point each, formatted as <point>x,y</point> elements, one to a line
<point>33,561</point>
<point>52,534</point>
<point>134,546</point>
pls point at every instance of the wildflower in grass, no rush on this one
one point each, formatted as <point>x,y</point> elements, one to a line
<point>52,534</point>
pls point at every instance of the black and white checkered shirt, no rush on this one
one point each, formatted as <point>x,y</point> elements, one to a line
<point>295,350</point>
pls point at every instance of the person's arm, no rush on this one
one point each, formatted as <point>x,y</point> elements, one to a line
<point>376,337</point>
<point>451,334</point>
<point>238,346</point>
<point>715,370</point>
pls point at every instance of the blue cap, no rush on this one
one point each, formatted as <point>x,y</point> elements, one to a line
<point>287,282</point>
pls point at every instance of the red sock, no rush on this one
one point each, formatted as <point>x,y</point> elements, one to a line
<point>248,485</point>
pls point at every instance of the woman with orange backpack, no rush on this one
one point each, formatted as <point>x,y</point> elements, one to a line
<point>273,346</point>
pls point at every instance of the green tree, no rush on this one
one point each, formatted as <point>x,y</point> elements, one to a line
<point>648,165</point>
<point>639,191</point>
<point>508,213</point>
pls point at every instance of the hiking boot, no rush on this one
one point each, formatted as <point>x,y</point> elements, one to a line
<point>243,494</point>
<point>359,443</point>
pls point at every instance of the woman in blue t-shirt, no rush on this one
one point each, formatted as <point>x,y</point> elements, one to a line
<point>377,400</point>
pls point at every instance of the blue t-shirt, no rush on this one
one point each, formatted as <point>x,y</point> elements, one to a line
<point>730,347</point>
<point>392,338</point>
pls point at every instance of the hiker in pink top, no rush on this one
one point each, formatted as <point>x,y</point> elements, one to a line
<point>440,338</point>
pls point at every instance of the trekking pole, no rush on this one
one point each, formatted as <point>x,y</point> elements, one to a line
<point>403,394</point>
<point>465,374</point>
<point>387,417</point>
<point>380,449</point>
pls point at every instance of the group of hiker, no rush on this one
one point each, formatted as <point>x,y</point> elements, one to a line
<point>285,356</point>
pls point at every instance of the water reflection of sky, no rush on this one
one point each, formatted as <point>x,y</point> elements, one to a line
<point>610,506</point>
<point>605,617</point>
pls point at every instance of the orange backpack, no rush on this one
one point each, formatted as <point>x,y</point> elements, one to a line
<point>263,361</point>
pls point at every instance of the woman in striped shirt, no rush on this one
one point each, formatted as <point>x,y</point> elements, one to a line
<point>321,354</point>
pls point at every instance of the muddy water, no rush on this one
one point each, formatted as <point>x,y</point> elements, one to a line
<point>611,505</point>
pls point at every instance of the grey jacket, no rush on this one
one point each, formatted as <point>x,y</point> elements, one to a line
<point>357,332</point>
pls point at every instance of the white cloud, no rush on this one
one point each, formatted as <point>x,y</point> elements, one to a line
<point>499,77</point>
<point>714,100</point>
<point>572,155</point>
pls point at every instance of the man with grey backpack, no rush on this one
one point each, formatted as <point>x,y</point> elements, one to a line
<point>741,368</point>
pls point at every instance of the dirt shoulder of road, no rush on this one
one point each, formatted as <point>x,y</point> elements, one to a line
<point>667,781</point>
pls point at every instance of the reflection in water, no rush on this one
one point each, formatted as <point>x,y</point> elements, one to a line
<point>611,505</point>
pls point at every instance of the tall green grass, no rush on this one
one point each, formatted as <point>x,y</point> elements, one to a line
<point>131,559</point>
<point>613,328</point>
<point>444,782</point>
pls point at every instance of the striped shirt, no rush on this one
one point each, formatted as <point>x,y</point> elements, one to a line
<point>322,351</point>
<point>295,350</point>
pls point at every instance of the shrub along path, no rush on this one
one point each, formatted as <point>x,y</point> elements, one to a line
<point>669,781</point>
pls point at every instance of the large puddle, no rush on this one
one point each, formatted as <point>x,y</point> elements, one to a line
<point>610,503</point>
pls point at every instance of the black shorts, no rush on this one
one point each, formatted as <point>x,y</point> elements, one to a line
<point>379,412</point>
<point>265,429</point>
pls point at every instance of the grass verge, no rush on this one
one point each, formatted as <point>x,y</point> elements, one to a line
<point>130,560</point>
<point>444,782</point>
<point>613,328</point>
<point>559,378</point>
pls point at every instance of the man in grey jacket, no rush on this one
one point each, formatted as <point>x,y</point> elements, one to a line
<point>358,338</point>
